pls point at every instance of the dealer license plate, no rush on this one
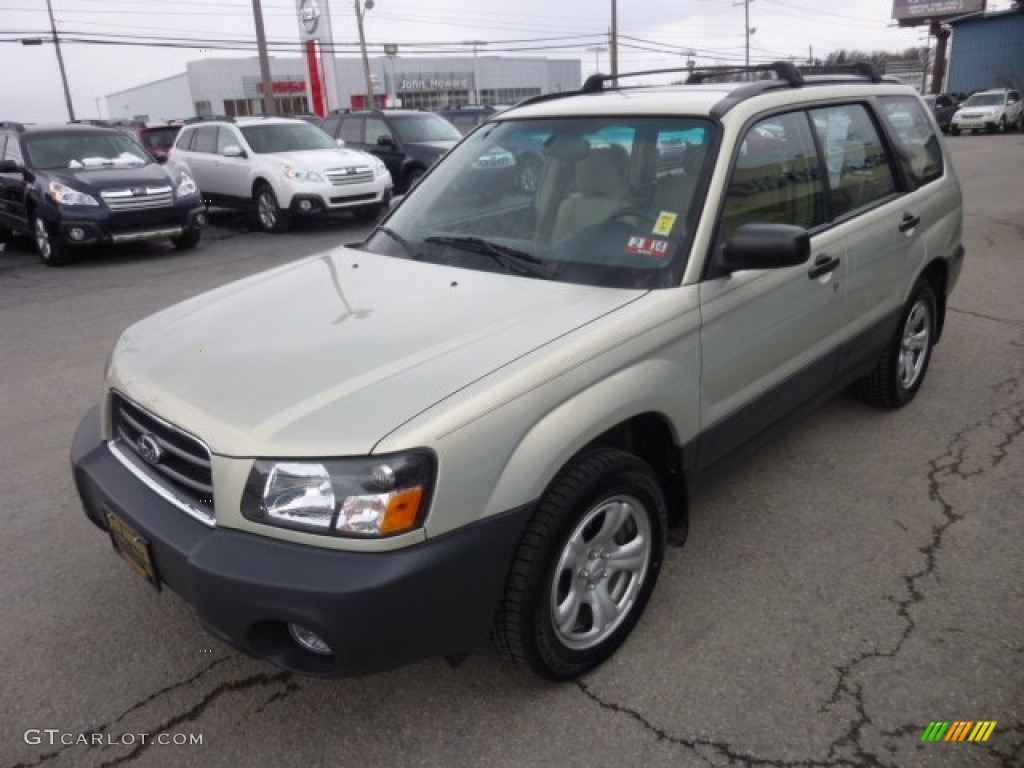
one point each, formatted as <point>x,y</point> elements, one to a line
<point>133,547</point>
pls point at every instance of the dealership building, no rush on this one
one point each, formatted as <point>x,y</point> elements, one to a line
<point>233,86</point>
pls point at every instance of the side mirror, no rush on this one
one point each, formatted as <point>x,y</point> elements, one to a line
<point>9,166</point>
<point>766,246</point>
<point>385,141</point>
<point>162,159</point>
<point>339,142</point>
<point>233,150</point>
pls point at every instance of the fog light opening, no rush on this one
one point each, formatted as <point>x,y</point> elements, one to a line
<point>309,640</point>
<point>77,234</point>
<point>201,220</point>
<point>305,206</point>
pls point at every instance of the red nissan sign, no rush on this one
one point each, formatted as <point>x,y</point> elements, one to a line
<point>287,86</point>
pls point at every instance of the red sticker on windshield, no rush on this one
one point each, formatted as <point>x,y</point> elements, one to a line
<point>648,246</point>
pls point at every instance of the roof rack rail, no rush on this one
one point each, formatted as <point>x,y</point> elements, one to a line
<point>207,118</point>
<point>12,125</point>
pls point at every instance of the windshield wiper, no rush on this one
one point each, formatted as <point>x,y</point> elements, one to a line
<point>512,259</point>
<point>406,245</point>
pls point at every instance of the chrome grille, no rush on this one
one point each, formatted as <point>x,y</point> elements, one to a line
<point>138,198</point>
<point>339,177</point>
<point>172,457</point>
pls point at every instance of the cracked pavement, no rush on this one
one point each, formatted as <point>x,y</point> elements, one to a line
<point>847,582</point>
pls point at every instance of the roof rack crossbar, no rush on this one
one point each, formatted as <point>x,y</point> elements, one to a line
<point>784,70</point>
<point>865,69</point>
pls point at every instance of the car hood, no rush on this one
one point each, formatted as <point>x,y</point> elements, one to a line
<point>322,159</point>
<point>98,179</point>
<point>329,355</point>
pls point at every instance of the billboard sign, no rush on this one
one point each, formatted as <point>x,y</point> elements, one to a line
<point>924,10</point>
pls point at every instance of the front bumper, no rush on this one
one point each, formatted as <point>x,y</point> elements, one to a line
<point>376,610</point>
<point>976,123</point>
<point>338,198</point>
<point>106,227</point>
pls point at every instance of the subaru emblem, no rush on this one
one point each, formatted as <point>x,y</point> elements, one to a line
<point>139,191</point>
<point>149,448</point>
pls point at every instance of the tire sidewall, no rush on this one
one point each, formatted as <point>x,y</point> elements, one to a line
<point>550,657</point>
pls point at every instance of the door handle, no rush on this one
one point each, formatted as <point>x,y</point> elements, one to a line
<point>909,222</point>
<point>822,266</point>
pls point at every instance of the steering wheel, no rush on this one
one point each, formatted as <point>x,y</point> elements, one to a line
<point>642,214</point>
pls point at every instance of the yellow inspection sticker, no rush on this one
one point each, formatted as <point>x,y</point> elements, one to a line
<point>665,222</point>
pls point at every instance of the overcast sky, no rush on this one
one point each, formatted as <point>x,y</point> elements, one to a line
<point>30,88</point>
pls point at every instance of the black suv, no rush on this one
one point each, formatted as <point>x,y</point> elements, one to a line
<point>408,141</point>
<point>75,185</point>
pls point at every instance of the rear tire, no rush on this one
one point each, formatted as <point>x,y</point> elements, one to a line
<point>585,567</point>
<point>412,178</point>
<point>269,215</point>
<point>900,371</point>
<point>52,252</point>
<point>954,131</point>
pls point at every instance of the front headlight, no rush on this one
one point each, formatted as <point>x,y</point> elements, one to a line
<point>65,195</point>
<point>301,174</point>
<point>186,185</point>
<point>379,169</point>
<point>365,497</point>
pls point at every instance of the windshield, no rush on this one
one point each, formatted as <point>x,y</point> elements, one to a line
<point>602,201</point>
<point>985,100</point>
<point>161,138</point>
<point>286,137</point>
<point>425,127</point>
<point>89,150</point>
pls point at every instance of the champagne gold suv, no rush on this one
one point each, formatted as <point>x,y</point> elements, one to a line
<point>486,417</point>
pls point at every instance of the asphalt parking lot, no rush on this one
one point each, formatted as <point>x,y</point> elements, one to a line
<point>855,578</point>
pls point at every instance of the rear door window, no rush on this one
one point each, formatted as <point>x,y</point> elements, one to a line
<point>859,171</point>
<point>206,139</point>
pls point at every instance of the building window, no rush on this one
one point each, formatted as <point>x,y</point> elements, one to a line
<point>243,107</point>
<point>292,105</point>
<point>493,96</point>
<point>203,109</point>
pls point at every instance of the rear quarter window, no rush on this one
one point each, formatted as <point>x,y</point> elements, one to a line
<point>917,145</point>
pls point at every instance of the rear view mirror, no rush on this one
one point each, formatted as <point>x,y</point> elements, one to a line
<point>9,166</point>
<point>233,150</point>
<point>766,246</point>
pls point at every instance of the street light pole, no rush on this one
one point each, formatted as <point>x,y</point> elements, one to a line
<point>60,62</point>
<point>597,51</point>
<point>360,12</point>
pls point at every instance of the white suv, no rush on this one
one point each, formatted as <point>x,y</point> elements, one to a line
<point>997,110</point>
<point>281,168</point>
<point>488,414</point>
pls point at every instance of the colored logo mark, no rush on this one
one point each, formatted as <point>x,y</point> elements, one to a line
<point>958,730</point>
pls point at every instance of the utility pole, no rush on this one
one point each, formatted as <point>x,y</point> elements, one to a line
<point>613,41</point>
<point>269,105</point>
<point>60,62</point>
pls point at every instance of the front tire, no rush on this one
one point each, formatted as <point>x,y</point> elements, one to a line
<point>186,240</point>
<point>585,567</point>
<point>269,215</point>
<point>368,212</point>
<point>899,373</point>
<point>52,252</point>
<point>954,131</point>
<point>1002,124</point>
